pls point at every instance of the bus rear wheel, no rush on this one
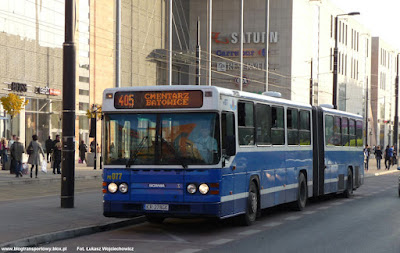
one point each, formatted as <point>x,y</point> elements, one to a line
<point>301,201</point>
<point>349,186</point>
<point>251,206</point>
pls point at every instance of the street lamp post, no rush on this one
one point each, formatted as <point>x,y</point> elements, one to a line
<point>396,109</point>
<point>335,58</point>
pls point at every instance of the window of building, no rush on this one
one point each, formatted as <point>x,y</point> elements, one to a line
<point>83,106</point>
<point>278,127</point>
<point>263,124</point>
<point>246,123</point>
<point>83,79</point>
<point>83,92</point>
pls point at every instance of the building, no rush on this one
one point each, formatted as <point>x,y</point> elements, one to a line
<point>384,70</point>
<point>31,40</point>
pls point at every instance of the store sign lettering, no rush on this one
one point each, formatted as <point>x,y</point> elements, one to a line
<point>18,87</point>
<point>47,91</point>
<point>249,37</point>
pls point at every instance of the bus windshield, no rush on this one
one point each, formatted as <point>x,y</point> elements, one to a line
<point>162,139</point>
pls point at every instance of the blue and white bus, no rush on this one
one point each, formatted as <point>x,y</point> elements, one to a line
<point>191,151</point>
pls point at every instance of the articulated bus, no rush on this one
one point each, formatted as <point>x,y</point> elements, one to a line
<point>204,151</point>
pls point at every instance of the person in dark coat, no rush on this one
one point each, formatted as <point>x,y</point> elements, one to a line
<point>57,158</point>
<point>82,150</point>
<point>33,149</point>
<point>378,157</point>
<point>49,148</point>
<point>16,150</point>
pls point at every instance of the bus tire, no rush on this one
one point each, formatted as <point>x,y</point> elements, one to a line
<point>349,185</point>
<point>302,194</point>
<point>250,216</point>
<point>155,219</point>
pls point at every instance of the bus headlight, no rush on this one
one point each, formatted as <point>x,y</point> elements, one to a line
<point>123,188</point>
<point>191,188</point>
<point>112,187</point>
<point>203,189</point>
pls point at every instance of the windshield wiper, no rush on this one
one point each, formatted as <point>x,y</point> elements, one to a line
<point>172,149</point>
<point>132,160</point>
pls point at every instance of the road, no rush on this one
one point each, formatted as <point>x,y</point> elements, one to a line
<point>367,222</point>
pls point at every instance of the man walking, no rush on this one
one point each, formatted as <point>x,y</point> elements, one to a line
<point>16,150</point>
<point>49,148</point>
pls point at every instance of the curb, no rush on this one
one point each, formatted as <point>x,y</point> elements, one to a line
<point>71,233</point>
<point>41,180</point>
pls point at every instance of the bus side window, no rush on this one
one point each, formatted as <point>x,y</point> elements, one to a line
<point>337,126</point>
<point>305,130</point>
<point>292,126</point>
<point>228,133</point>
<point>329,136</point>
<point>278,128</point>
<point>359,133</point>
<point>263,124</point>
<point>246,123</point>
<point>352,132</point>
<point>345,132</point>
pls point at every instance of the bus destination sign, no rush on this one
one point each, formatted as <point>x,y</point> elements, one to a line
<point>158,99</point>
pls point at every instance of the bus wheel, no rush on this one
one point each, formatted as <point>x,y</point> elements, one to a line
<point>251,207</point>
<point>349,186</point>
<point>155,219</point>
<point>301,201</point>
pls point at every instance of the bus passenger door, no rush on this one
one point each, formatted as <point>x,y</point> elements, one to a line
<point>228,166</point>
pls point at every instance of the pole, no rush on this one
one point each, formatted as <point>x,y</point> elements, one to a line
<point>68,112</point>
<point>170,44</point>
<point>209,39</point>
<point>198,54</point>
<point>311,83</point>
<point>266,45</point>
<point>118,45</point>
<point>396,110</point>
<point>241,45</point>
<point>95,137</point>
<point>335,67</point>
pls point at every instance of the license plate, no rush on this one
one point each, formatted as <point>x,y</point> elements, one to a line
<point>156,207</point>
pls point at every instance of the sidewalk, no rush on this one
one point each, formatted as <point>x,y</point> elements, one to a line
<point>37,217</point>
<point>81,172</point>
<point>373,171</point>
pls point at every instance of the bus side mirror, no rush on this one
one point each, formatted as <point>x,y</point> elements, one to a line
<point>230,145</point>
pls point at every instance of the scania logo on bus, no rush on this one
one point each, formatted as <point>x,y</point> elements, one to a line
<point>156,185</point>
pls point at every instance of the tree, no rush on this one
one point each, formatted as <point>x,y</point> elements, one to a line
<point>94,112</point>
<point>13,104</point>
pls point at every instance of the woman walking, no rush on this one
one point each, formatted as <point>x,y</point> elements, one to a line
<point>378,157</point>
<point>33,151</point>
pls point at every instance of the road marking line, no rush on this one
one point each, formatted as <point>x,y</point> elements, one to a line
<point>249,232</point>
<point>337,203</point>
<point>323,207</point>
<point>293,218</point>
<point>139,240</point>
<point>272,224</point>
<point>220,241</point>
<point>309,212</point>
<point>189,251</point>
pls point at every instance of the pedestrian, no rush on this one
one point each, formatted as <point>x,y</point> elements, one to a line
<point>82,151</point>
<point>378,157</point>
<point>16,150</point>
<point>3,153</point>
<point>49,148</point>
<point>57,157</point>
<point>33,150</point>
<point>12,162</point>
<point>394,156</point>
<point>92,147</point>
<point>366,157</point>
<point>388,155</point>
